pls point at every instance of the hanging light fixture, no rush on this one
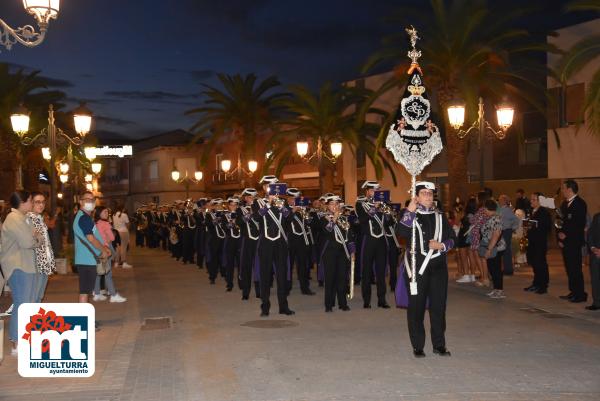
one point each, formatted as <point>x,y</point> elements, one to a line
<point>336,149</point>
<point>198,175</point>
<point>175,175</point>
<point>302,148</point>
<point>96,168</point>
<point>456,115</point>
<point>82,116</point>
<point>252,166</point>
<point>46,153</point>
<point>19,120</point>
<point>225,165</point>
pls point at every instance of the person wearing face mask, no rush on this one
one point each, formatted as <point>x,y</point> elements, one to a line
<point>44,255</point>
<point>89,246</point>
<point>19,241</point>
<point>105,229</point>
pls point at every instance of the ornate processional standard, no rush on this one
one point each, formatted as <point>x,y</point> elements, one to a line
<point>413,138</point>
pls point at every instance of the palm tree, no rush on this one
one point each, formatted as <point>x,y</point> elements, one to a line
<point>579,56</point>
<point>467,52</point>
<point>28,89</point>
<point>243,108</point>
<point>334,114</point>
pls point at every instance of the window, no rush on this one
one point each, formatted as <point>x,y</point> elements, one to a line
<point>565,106</point>
<point>535,151</point>
<point>218,158</point>
<point>153,170</point>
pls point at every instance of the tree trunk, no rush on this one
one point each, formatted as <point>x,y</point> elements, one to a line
<point>326,183</point>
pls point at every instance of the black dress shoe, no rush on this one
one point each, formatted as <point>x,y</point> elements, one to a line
<point>264,313</point>
<point>441,351</point>
<point>288,312</point>
<point>578,300</point>
<point>308,292</point>
<point>328,310</point>
<point>229,289</point>
<point>592,307</point>
<point>244,297</point>
<point>418,353</point>
<point>345,308</point>
<point>541,291</point>
<point>367,306</point>
<point>531,288</point>
<point>567,297</point>
<point>383,305</point>
<point>212,281</point>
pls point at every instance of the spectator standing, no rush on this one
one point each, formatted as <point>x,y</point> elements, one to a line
<point>88,246</point>
<point>19,240</point>
<point>571,239</point>
<point>492,247</point>
<point>463,242</point>
<point>522,202</point>
<point>121,224</point>
<point>510,223</point>
<point>477,222</point>
<point>44,254</point>
<point>537,247</point>
<point>105,229</point>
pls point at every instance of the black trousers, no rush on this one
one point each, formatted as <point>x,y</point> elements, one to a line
<point>273,255</point>
<point>299,257</point>
<point>536,257</point>
<point>215,245</point>
<point>393,256</point>
<point>247,256</point>
<point>494,266</point>
<point>573,259</point>
<point>432,285</point>
<point>595,279</point>
<point>232,259</point>
<point>164,238</point>
<point>336,266</point>
<point>200,247</point>
<point>139,238</point>
<point>187,245</point>
<point>374,256</point>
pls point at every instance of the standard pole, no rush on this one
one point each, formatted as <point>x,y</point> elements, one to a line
<point>52,145</point>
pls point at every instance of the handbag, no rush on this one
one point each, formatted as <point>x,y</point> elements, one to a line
<point>483,249</point>
<point>103,265</point>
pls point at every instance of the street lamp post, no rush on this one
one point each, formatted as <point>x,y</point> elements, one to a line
<point>320,154</point>
<point>20,124</point>
<point>456,116</point>
<point>43,11</point>
<point>187,181</point>
<point>239,169</point>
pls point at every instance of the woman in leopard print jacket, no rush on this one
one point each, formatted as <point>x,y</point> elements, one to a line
<point>44,255</point>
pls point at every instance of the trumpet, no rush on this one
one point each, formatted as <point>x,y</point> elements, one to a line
<point>343,222</point>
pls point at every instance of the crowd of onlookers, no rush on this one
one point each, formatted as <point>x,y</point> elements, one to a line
<point>495,236</point>
<point>27,254</point>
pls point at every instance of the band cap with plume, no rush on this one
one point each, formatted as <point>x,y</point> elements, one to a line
<point>370,185</point>
<point>332,198</point>
<point>249,191</point>
<point>295,192</point>
<point>268,179</point>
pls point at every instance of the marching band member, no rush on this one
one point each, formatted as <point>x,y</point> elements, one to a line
<point>271,213</point>
<point>215,236</point>
<point>299,244</point>
<point>435,237</point>
<point>250,232</point>
<point>188,231</point>
<point>200,238</point>
<point>374,245</point>
<point>163,223</point>
<point>338,249</point>
<point>231,245</point>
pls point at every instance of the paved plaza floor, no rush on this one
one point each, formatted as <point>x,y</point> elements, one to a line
<point>216,347</point>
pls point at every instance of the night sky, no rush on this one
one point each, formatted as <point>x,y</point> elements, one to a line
<point>140,64</point>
